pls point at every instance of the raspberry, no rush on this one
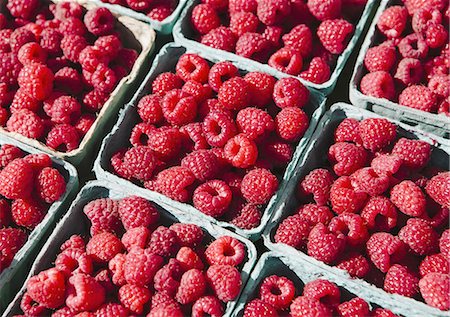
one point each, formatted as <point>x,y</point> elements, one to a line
<point>280,152</point>
<point>90,58</point>
<point>166,82</point>
<point>423,17</point>
<point>104,79</point>
<point>167,279</point>
<point>344,197</point>
<point>254,46</point>
<point>354,307</point>
<point>189,259</point>
<point>192,67</point>
<point>204,18</point>
<point>19,38</point>
<point>218,128</point>
<point>99,21</point>
<point>189,235</point>
<point>287,60</point>
<point>94,100</point>
<point>207,305</point>
<point>379,214</point>
<point>5,213</point>
<point>162,311</point>
<point>103,247</point>
<point>408,198</point>
<point>212,197</point>
<point>347,131</point>
<point>225,251</point>
<point>435,263</point>
<point>381,312</point>
<point>149,109</point>
<point>198,91</point>
<point>65,109</point>
<point>323,291</point>
<point>419,236</point>
<point>299,39</point>
<point>47,288</point>
<point>136,211</point>
<point>32,53</point>
<point>163,300</point>
<point>221,38</point>
<point>386,164</point>
<point>293,231</point>
<point>24,9</point>
<point>194,137</point>
<point>26,123</point>
<point>289,92</point>
<point>384,249</point>
<point>409,71</point>
<point>413,46</point>
<point>243,22</point>
<point>380,58</point>
<point>30,307</point>
<point>335,34</point>
<point>64,10</point>
<point>318,183</point>
<point>351,227</point>
<point>444,243</point>
<point>138,5</point>
<point>273,11</point>
<point>379,84</point>
<point>109,44</point>
<point>248,217</point>
<point>434,288</point>
<point>291,123</point>
<point>9,153</point>
<point>242,6</point>
<point>22,100</point>
<point>437,188</point>
<point>74,260</point>
<point>392,21</point>
<point>117,266</point>
<point>63,138</point>
<point>355,264</point>
<point>118,166</point>
<point>174,182</point>
<point>260,87</point>
<point>202,163</point>
<point>219,5</point>
<point>134,297</point>
<point>136,237</point>
<point>324,245</point>
<point>225,281</point>
<point>220,73</point>
<point>69,80</point>
<point>258,186</point>
<point>37,80</point>
<point>111,309</point>
<point>27,212</point>
<point>192,287</point>
<point>414,153</point>
<point>234,93</point>
<point>75,242</point>
<point>317,71</point>
<point>84,123</point>
<point>368,181</point>
<point>346,158</point>
<point>439,85</point>
<point>304,306</point>
<point>376,133</point>
<point>400,280</point>
<point>103,214</point>
<point>418,97</point>
<point>11,241</point>
<point>160,13</point>
<point>278,291</point>
<point>240,151</point>
<point>50,184</point>
<point>16,179</point>
<point>84,293</point>
<point>10,68</point>
<point>315,214</point>
<point>141,266</point>
<point>140,161</point>
<point>165,143</point>
<point>163,242</point>
<point>259,308</point>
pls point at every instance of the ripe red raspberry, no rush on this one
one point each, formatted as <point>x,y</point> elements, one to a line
<point>379,84</point>
<point>104,215</point>
<point>27,123</point>
<point>318,183</point>
<point>344,197</point>
<point>335,34</point>
<point>11,241</point>
<point>84,123</point>
<point>37,80</point>
<point>368,181</point>
<point>149,109</point>
<point>161,311</point>
<point>379,214</point>
<point>254,46</point>
<point>165,142</point>
<point>22,100</point>
<point>254,122</point>
<point>325,10</point>
<point>16,179</point>
<point>234,93</point>
<point>240,151</point>
<point>392,21</point>
<point>175,183</point>
<point>324,245</point>
<point>204,18</point>
<point>9,153</point>
<point>434,288</point>
<point>163,300</point>
<point>258,186</point>
<point>278,291</point>
<point>219,128</point>
<point>90,58</point>
<point>136,211</point>
<point>166,82</point>
<point>10,68</point>
<point>160,12</point>
<point>401,280</point>
<point>419,236</point>
<point>414,153</point>
<point>413,46</point>
<point>5,214</point>
<point>75,242</point>
<point>134,297</point>
<point>435,263</point>
<point>99,21</point>
<point>140,162</point>
<point>354,307</point>
<point>243,22</point>
<point>32,53</point>
<point>20,37</point>
<point>260,87</point>
<point>304,306</point>
<point>418,97</point>
<point>384,249</point>
<point>212,198</point>
<point>167,279</point>
<point>279,151</point>
<point>273,11</point>
<point>47,288</point>
<point>189,259</point>
<point>291,123</point>
<point>192,67</point>
<point>408,198</point>
<point>27,213</point>
<point>50,184</point>
<point>109,45</point>
<point>138,5</point>
<point>178,107</point>
<point>221,38</point>
<point>194,138</point>
<point>220,73</point>
<point>32,308</point>
<point>355,264</point>
<point>50,41</point>
<point>377,133</point>
<point>286,60</point>
<point>111,309</point>
<point>380,58</point>
<point>200,92</point>
<point>141,266</point>
<point>207,305</point>
<point>136,237</point>
<point>225,250</point>
<point>347,131</point>
<point>24,9</point>
<point>192,287</point>
<point>242,6</point>
<point>94,100</point>
<point>386,164</point>
<point>289,92</point>
<point>202,163</point>
<point>293,231</point>
<point>439,85</point>
<point>346,158</point>
<point>350,226</point>
<point>315,214</point>
<point>85,293</point>
<point>259,308</point>
<point>104,79</point>
<point>117,268</point>
<point>104,246</point>
<point>438,187</point>
<point>248,217</point>
<point>436,35</point>
<point>318,71</point>
<point>444,243</point>
<point>189,235</point>
<point>65,109</point>
<point>163,242</point>
<point>423,17</point>
<point>299,39</point>
<point>323,291</point>
<point>225,281</point>
<point>74,260</point>
<point>409,71</point>
<point>63,138</point>
<point>64,10</point>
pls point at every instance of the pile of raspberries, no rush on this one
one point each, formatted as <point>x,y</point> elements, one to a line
<point>155,9</point>
<point>28,186</point>
<point>214,138</point>
<point>277,297</point>
<point>296,37</point>
<point>59,66</point>
<point>378,212</point>
<point>134,265</point>
<point>410,63</point>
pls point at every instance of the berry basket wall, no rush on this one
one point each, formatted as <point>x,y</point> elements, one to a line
<point>184,35</point>
<point>75,222</point>
<point>118,138</point>
<point>315,156</point>
<point>164,27</point>
<point>430,122</point>
<point>136,35</point>
<point>298,271</point>
<point>12,277</point>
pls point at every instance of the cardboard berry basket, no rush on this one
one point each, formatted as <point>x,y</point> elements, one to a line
<point>119,136</point>
<point>164,27</point>
<point>438,124</point>
<point>76,222</point>
<point>12,277</point>
<point>135,34</point>
<point>316,157</point>
<point>183,34</point>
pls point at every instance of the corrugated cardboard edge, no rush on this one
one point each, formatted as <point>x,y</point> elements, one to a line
<point>9,279</point>
<point>325,88</point>
<point>50,249</point>
<point>398,304</point>
<point>145,35</point>
<point>430,122</point>
<point>316,106</point>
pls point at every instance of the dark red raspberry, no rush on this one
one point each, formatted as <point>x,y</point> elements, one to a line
<point>413,46</point>
<point>103,247</point>
<point>379,214</point>
<point>189,259</point>
<point>138,5</point>
<point>32,53</point>
<point>418,97</point>
<point>192,67</point>
<point>346,158</point>
<point>104,215</point>
<point>435,263</point>
<point>384,249</point>
<point>63,137</point>
<point>99,21</point>
<point>204,18</point>
<point>136,211</point>
<point>220,73</point>
<point>221,38</point>
<point>355,264</point>
<point>291,123</point>
<point>47,288</point>
<point>149,109</point>
<point>26,212</point>
<point>20,37</point>
<point>437,187</point>
<point>72,26</point>
<point>32,308</point>
<point>242,6</point>
<point>68,79</point>
<point>134,298</point>
<point>192,286</point>
<point>368,181</point>
<point>178,107</point>
<point>279,152</point>
<point>22,8</point>
<point>414,153</point>
<point>207,305</point>
<point>240,151</point>
<point>165,143</point>
<point>324,245</point>
<point>104,79</point>
<point>304,306</point>
<point>335,34</point>
<point>273,11</point>
<point>64,10</point>
<point>289,92</point>
<point>163,300</point>
<point>434,288</point>
<point>248,217</point>
<point>141,266</point>
<point>318,183</point>
<point>163,242</point>
<point>5,214</point>
<point>243,22</point>
<point>278,291</point>
<point>299,39</point>
<point>109,45</point>
<point>344,197</point>
<point>140,162</point>
<point>189,235</point>
<point>175,182</point>
<point>419,236</point>
<point>350,226</point>
<point>202,163</point>
<point>254,46</point>
<point>325,10</point>
<point>286,60</point>
<point>16,179</point>
<point>94,100</point>
<point>198,91</point>
<point>318,71</point>
<point>254,122</point>
<point>379,84</point>
<point>380,58</point>
<point>212,197</point>
<point>392,21</point>
<point>260,87</point>
<point>50,184</point>
<point>225,281</point>
<point>37,80</point>
<point>408,198</point>
<point>167,279</point>
<point>400,280</point>
<point>377,133</point>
